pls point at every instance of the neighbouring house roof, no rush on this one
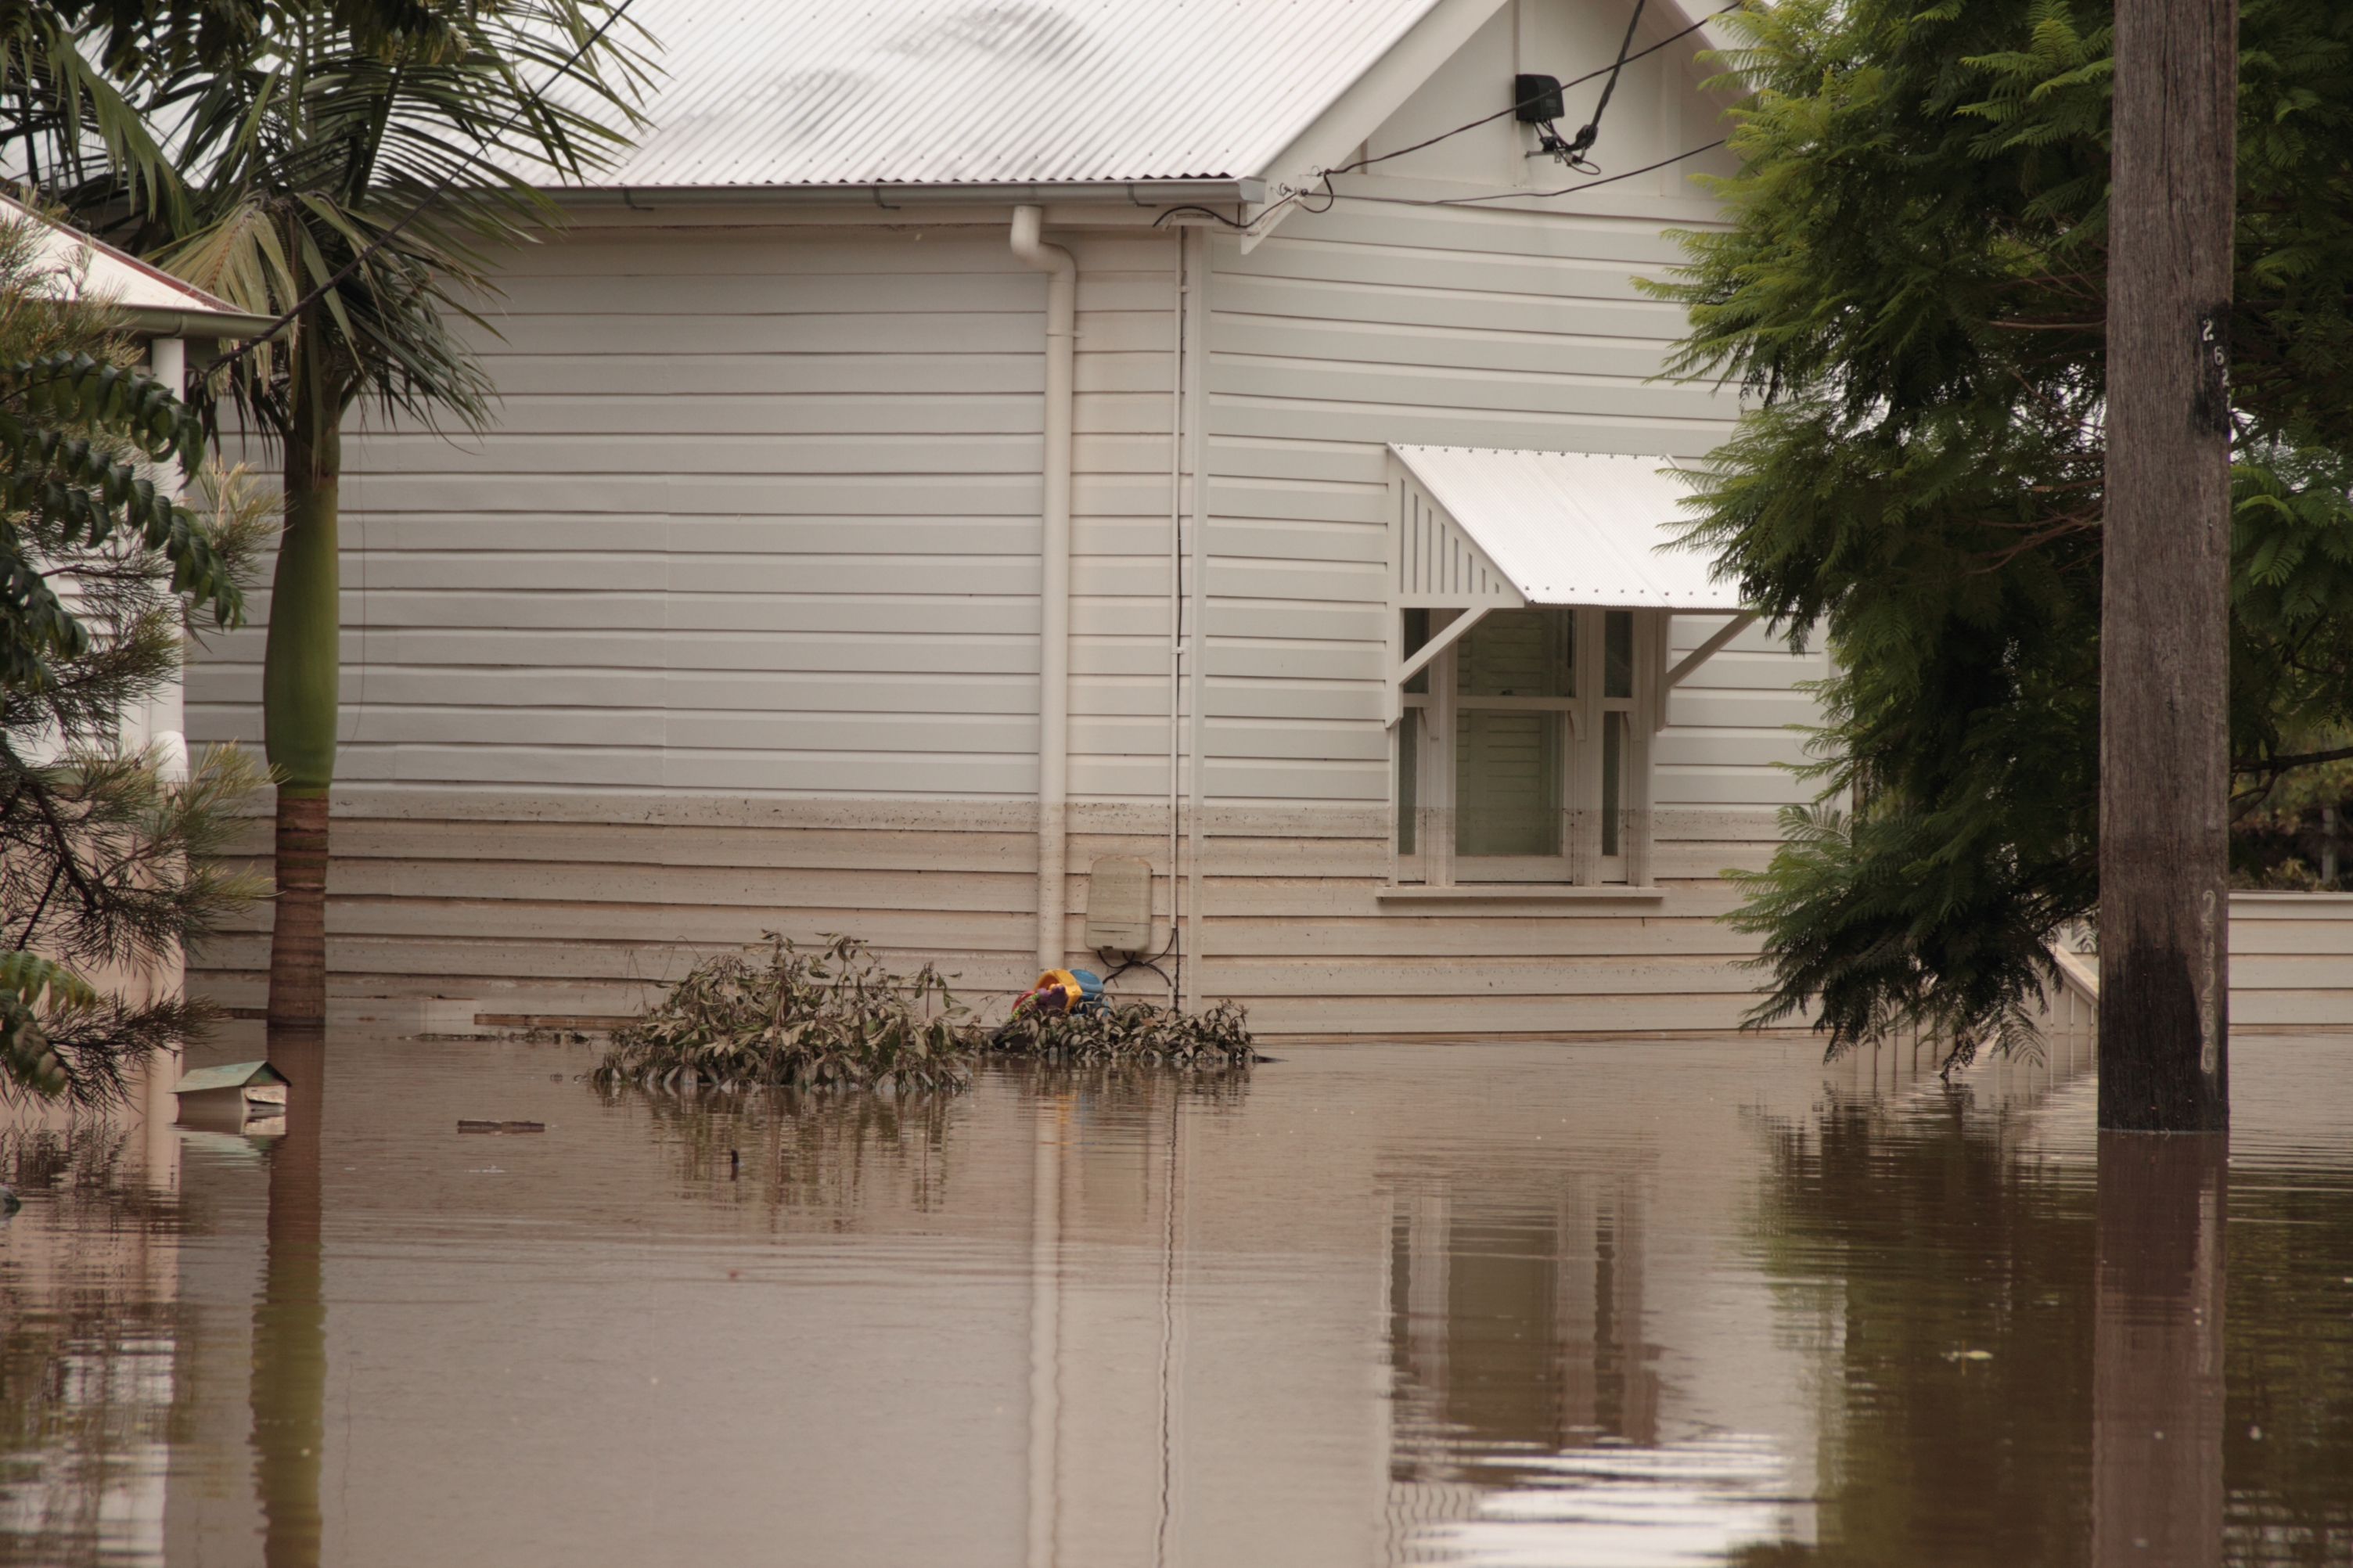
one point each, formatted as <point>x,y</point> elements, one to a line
<point>1568,527</point>
<point>866,92</point>
<point>152,302</point>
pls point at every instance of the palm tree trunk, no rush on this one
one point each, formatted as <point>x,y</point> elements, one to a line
<point>300,674</point>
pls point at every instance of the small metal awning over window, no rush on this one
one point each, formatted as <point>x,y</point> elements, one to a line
<point>1479,528</point>
<point>1514,529</point>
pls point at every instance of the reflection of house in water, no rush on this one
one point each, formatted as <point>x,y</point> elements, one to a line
<point>87,1338</point>
<point>1515,1331</point>
<point>1518,1326</point>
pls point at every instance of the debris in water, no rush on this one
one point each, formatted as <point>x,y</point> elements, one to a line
<point>1130,1031</point>
<point>835,1019</point>
<point>465,1126</point>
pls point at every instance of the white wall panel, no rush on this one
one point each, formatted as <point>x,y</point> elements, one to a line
<point>774,531</point>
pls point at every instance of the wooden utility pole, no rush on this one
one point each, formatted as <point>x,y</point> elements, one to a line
<point>2165,618</point>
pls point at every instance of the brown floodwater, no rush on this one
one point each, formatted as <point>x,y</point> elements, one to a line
<point>1629,1303</point>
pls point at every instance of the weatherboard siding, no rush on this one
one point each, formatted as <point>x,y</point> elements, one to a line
<point>730,623</point>
<point>721,556</point>
<point>759,513</point>
<point>543,905</point>
<point>2292,961</point>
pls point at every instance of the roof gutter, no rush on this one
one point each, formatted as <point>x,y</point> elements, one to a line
<point>889,196</point>
<point>162,321</point>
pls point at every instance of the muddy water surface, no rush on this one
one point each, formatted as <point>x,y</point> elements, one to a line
<point>1615,1304</point>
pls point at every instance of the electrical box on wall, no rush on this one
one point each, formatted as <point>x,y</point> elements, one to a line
<point>1535,100</point>
<point>1118,905</point>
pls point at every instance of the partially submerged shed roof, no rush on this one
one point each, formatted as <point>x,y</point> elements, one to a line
<point>231,1075</point>
<point>1551,528</point>
<point>152,301</point>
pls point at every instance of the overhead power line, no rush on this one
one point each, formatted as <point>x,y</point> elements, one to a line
<point>1331,194</point>
<point>1338,196</point>
<point>1609,71</point>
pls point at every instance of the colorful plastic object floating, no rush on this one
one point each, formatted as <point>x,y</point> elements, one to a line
<point>1061,992</point>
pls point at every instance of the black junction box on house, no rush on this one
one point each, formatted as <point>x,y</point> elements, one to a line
<point>1535,100</point>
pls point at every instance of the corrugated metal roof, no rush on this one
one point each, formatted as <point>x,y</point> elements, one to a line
<point>856,92</point>
<point>1575,528</point>
<point>77,266</point>
<point>234,1075</point>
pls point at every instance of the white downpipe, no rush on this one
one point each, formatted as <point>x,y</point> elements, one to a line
<point>1176,611</point>
<point>1197,356</point>
<point>1054,587</point>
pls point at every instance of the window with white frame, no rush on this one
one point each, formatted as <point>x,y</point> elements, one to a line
<point>1521,751</point>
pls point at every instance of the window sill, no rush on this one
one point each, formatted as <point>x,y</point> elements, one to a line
<point>1516,893</point>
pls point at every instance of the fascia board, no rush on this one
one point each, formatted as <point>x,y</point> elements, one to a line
<point>157,321</point>
<point>1369,100</point>
<point>890,197</point>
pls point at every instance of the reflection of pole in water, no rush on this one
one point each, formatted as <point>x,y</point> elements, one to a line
<point>2157,1378</point>
<point>1046,1332</point>
<point>1172,1329</point>
<point>289,1318</point>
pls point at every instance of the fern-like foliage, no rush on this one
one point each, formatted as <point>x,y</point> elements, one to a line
<point>1911,287</point>
<point>31,978</point>
<point>26,981</point>
<point>79,439</point>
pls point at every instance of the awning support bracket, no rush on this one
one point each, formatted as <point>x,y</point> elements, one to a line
<point>1440,641</point>
<point>1709,649</point>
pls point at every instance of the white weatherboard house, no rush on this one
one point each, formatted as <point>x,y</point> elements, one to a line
<point>971,439</point>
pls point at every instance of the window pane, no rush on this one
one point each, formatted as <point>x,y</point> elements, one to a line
<point>1618,653</point>
<point>1518,653</point>
<point>1613,766</point>
<point>1508,772</point>
<point>1417,637</point>
<point>1407,784</point>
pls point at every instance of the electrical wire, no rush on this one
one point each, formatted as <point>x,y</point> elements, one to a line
<point>1333,195</point>
<point>1168,213</point>
<point>1565,190</point>
<point>1609,71</point>
<point>1253,227</point>
<point>481,146</point>
<point>1573,153</point>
